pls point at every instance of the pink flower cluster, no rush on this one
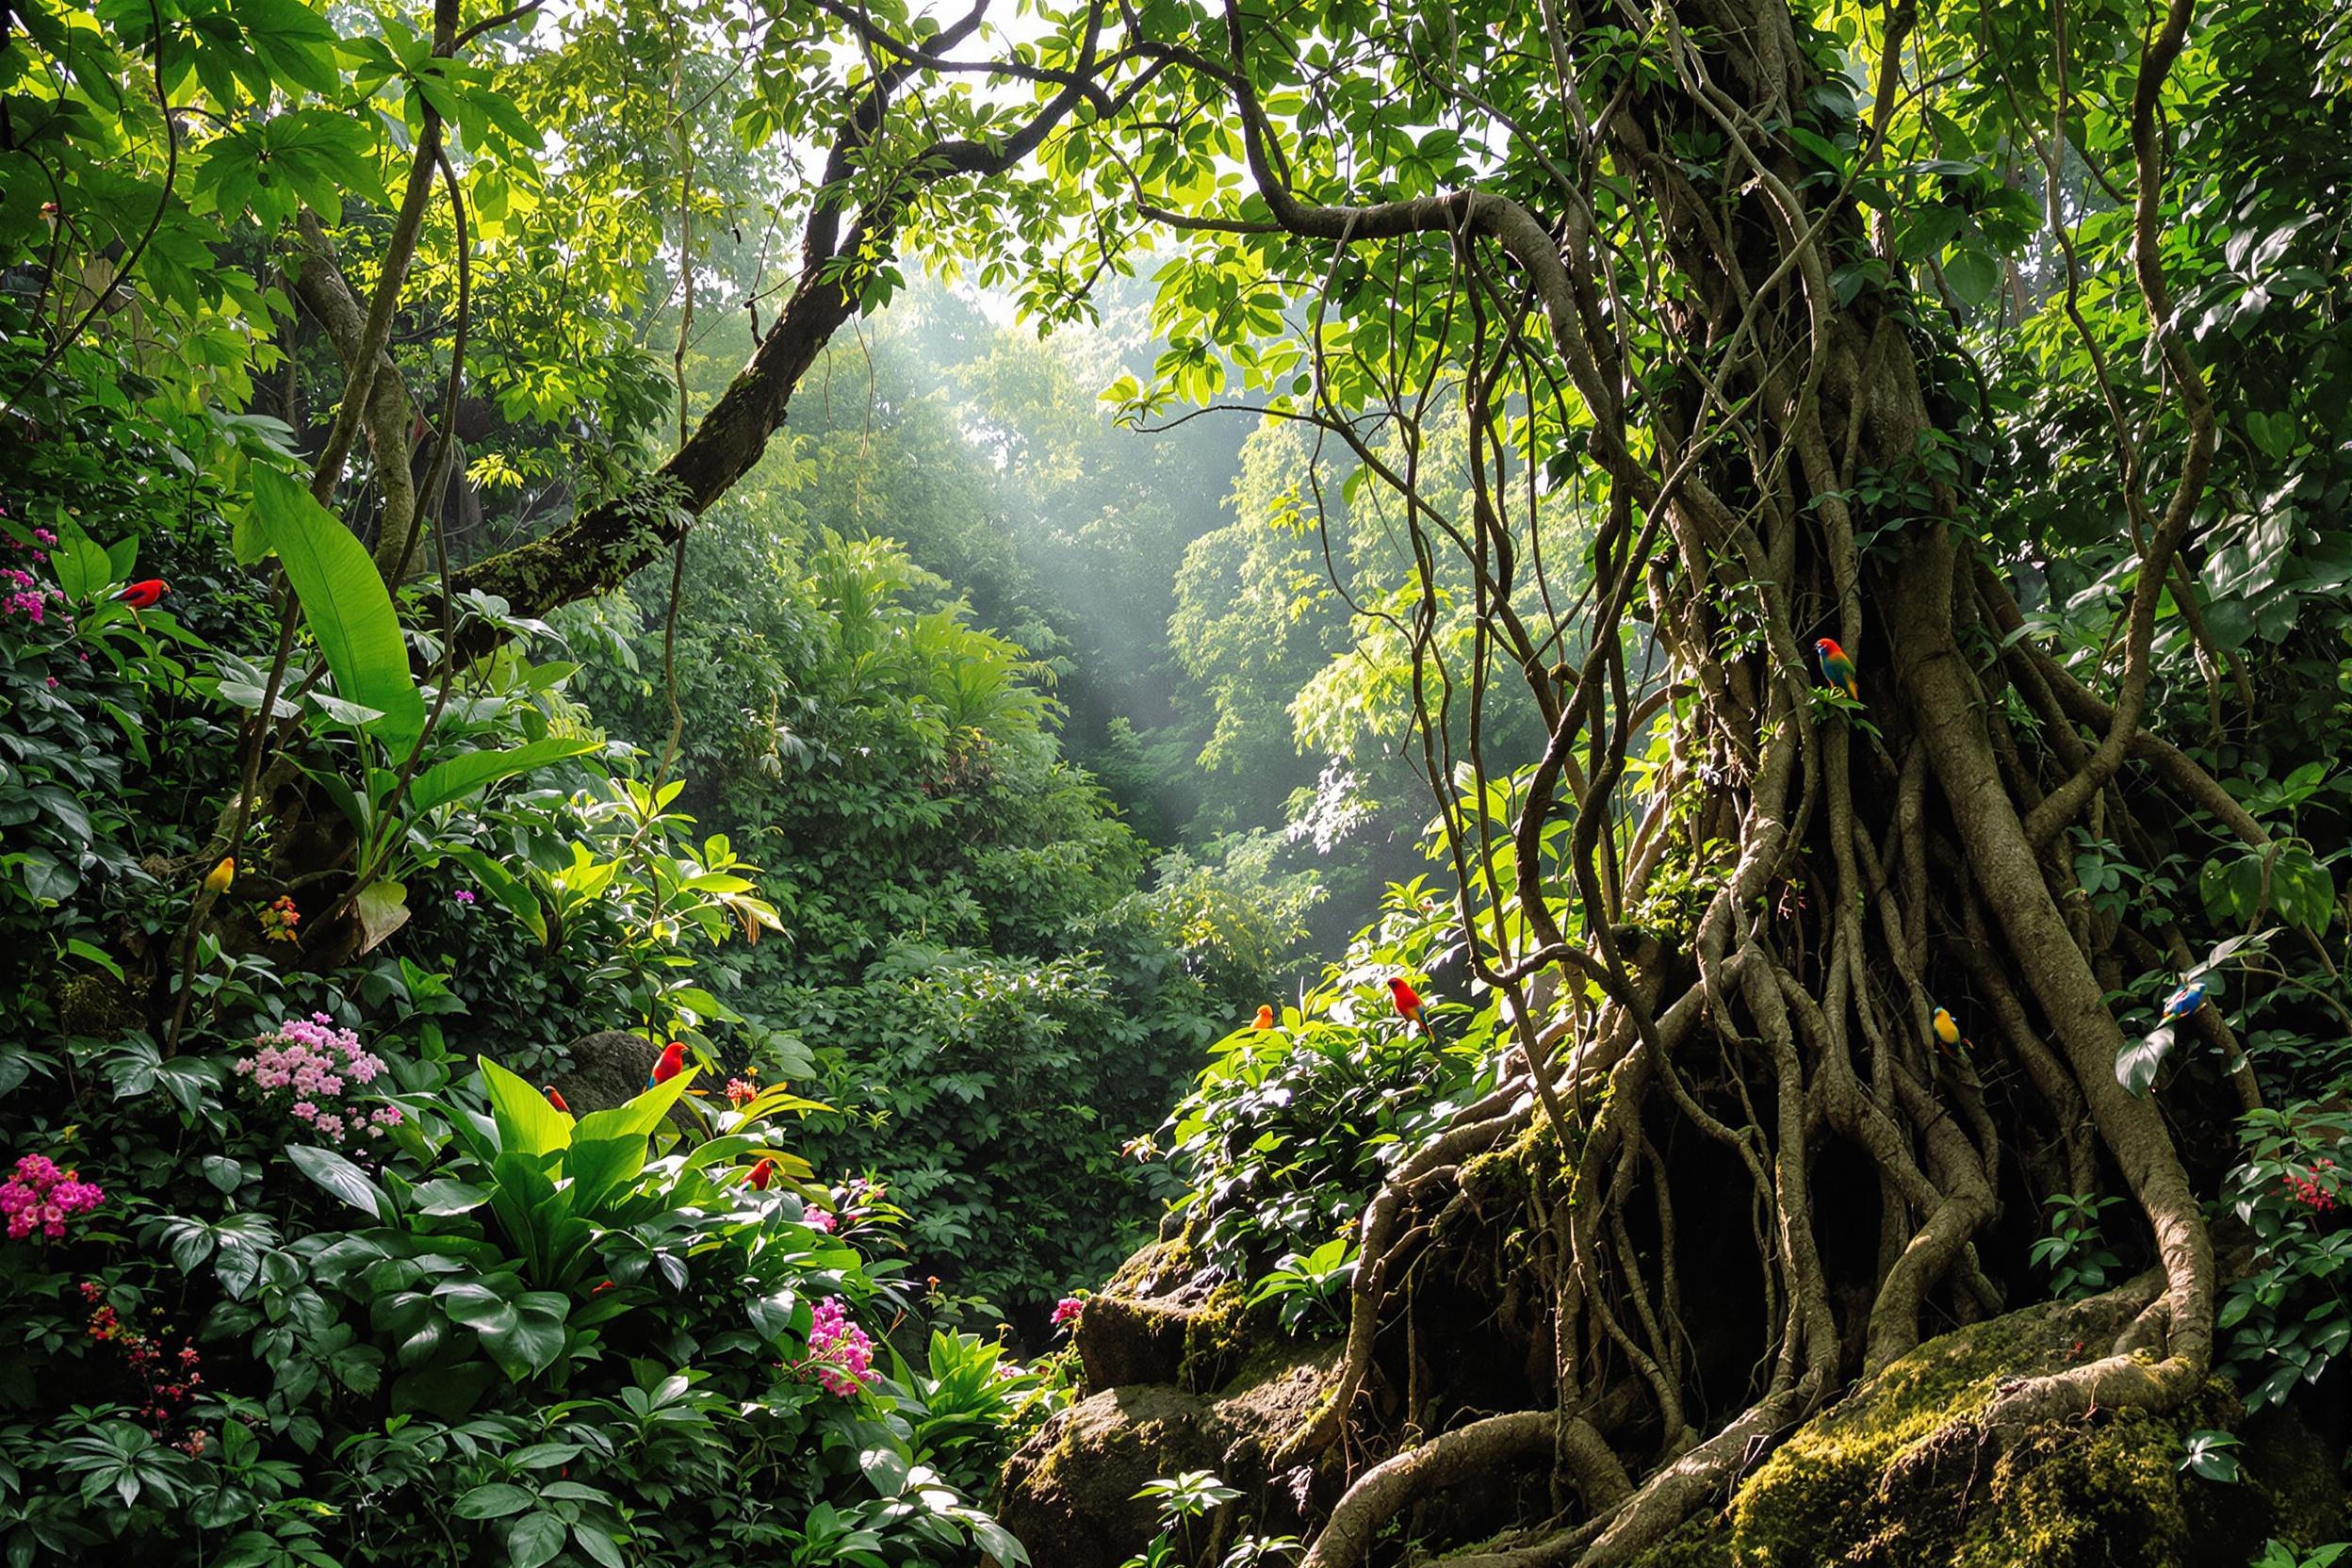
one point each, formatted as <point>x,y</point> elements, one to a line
<point>306,1067</point>
<point>839,1351</point>
<point>40,1196</point>
<point>1068,1309</point>
<point>22,596</point>
<point>2315,1191</point>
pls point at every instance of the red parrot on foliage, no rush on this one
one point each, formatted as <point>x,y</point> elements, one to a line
<point>556,1100</point>
<point>1265,1018</point>
<point>1407,1003</point>
<point>1838,667</point>
<point>761,1174</point>
<point>673,1062</point>
<point>142,595</point>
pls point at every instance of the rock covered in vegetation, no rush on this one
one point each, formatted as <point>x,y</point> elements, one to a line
<point>607,1068</point>
<point>1070,1491</point>
<point>1905,1472</point>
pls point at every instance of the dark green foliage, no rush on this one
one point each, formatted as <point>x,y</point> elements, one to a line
<point>485,1332</point>
<point>967,969</point>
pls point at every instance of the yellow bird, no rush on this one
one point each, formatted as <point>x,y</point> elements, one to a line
<point>220,877</point>
<point>1947,1034</point>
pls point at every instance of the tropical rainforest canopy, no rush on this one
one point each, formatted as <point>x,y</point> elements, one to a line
<point>1175,783</point>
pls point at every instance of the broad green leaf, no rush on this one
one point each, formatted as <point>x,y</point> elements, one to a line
<point>346,604</point>
<point>383,909</point>
<point>536,1539</point>
<point>494,1501</point>
<point>527,1122</point>
<point>82,566</point>
<point>2136,1065</point>
<point>462,775</point>
<point>598,1166</point>
<point>342,1178</point>
<point>640,1115</point>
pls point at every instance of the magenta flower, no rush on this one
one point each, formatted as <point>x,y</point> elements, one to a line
<point>1066,1311</point>
<point>40,1196</point>
<point>839,1354</point>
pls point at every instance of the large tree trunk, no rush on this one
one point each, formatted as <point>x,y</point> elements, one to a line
<point>1885,854</point>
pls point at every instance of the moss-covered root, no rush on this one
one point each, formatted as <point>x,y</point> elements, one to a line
<point>1907,1470</point>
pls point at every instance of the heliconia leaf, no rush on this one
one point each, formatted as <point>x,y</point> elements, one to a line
<point>460,776</point>
<point>346,604</point>
<point>527,1122</point>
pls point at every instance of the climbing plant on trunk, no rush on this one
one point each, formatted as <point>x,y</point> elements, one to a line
<point>1708,281</point>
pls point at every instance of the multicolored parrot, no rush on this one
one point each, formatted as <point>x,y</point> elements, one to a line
<point>761,1174</point>
<point>1948,1035</point>
<point>673,1062</point>
<point>2183,1001</point>
<point>142,596</point>
<point>556,1100</point>
<point>1408,1004</point>
<point>1265,1018</point>
<point>220,877</point>
<point>1838,667</point>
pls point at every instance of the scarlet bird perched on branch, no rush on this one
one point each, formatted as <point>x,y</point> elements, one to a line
<point>761,1174</point>
<point>1838,667</point>
<point>142,596</point>
<point>1409,1004</point>
<point>672,1063</point>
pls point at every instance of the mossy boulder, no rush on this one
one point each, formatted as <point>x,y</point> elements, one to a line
<point>1903,1472</point>
<point>1069,1494</point>
<point>96,1005</point>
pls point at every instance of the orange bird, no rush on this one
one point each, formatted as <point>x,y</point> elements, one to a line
<point>1265,1018</point>
<point>672,1063</point>
<point>556,1100</point>
<point>1407,1003</point>
<point>761,1174</point>
<point>142,595</point>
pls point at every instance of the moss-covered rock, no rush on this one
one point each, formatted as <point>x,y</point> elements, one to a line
<point>1069,1494</point>
<point>1904,1473</point>
<point>96,1005</point>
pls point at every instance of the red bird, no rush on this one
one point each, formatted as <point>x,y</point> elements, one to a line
<point>761,1174</point>
<point>142,595</point>
<point>1265,1018</point>
<point>1407,1003</point>
<point>1836,667</point>
<point>556,1101</point>
<point>673,1062</point>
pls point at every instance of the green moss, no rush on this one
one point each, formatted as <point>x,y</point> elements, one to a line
<point>1215,1338</point>
<point>94,1004</point>
<point>1509,1175</point>
<point>1901,1473</point>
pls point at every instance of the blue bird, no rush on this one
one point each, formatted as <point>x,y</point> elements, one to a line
<point>2186,1000</point>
